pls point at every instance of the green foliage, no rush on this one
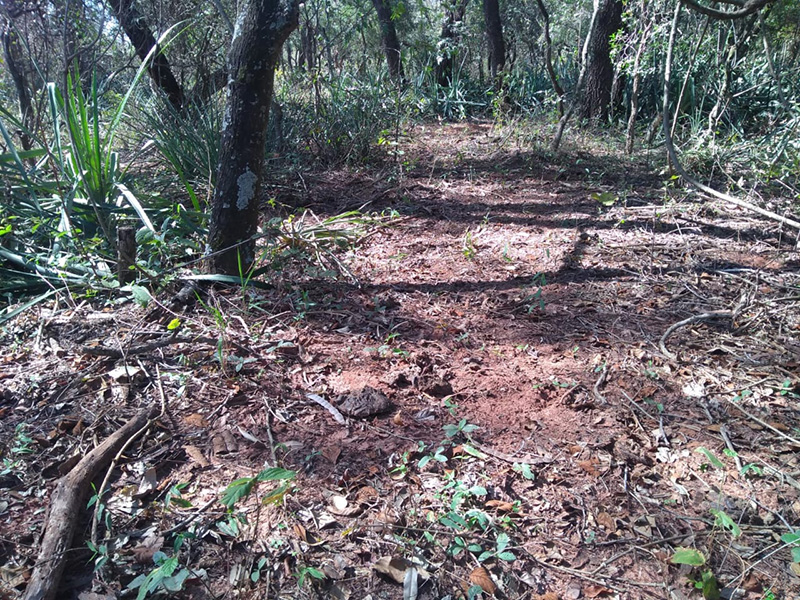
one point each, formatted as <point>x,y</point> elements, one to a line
<point>688,556</point>
<point>243,487</point>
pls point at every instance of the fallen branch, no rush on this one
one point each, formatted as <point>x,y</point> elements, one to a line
<point>600,381</point>
<point>717,314</point>
<point>66,504</point>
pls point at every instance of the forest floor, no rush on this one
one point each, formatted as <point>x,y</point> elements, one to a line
<point>515,417</point>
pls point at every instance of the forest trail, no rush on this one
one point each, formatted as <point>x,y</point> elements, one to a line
<point>511,310</point>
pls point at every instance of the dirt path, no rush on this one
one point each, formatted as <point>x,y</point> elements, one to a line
<point>510,313</point>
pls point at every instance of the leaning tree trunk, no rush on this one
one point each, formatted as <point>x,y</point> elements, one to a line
<point>143,41</point>
<point>600,71</point>
<point>448,40</point>
<point>261,30</point>
<point>389,40</point>
<point>494,35</point>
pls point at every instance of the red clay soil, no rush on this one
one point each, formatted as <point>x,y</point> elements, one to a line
<point>508,310</point>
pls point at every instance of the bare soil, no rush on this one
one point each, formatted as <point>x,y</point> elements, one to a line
<point>494,341</point>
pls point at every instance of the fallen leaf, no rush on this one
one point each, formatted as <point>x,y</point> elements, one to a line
<point>393,567</point>
<point>300,532</point>
<point>195,420</point>
<point>593,591</point>
<point>125,373</point>
<point>332,453</point>
<point>366,495</point>
<point>607,521</point>
<point>573,591</point>
<point>143,554</point>
<point>480,576</point>
<point>196,455</point>
<point>500,505</point>
<point>147,484</point>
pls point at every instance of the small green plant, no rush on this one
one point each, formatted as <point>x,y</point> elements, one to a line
<point>388,348</point>
<point>255,574</point>
<point>100,555</point>
<point>500,550</point>
<point>706,582</point>
<point>723,521</point>
<point>438,455</point>
<point>788,389</point>
<point>451,430</point>
<point>174,496</point>
<point>9,466</point>
<point>22,442</point>
<point>533,298</point>
<point>306,572</point>
<point>243,487</point>
<point>401,468</point>
<point>166,577</point>
<point>101,514</point>
<point>468,245</point>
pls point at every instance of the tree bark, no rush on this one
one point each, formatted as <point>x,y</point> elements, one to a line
<point>261,30</point>
<point>600,71</point>
<point>142,40</point>
<point>448,40</point>
<point>494,35</point>
<point>389,40</point>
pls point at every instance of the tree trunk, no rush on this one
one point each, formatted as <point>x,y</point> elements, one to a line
<point>262,28</point>
<point>143,41</point>
<point>637,78</point>
<point>14,63</point>
<point>448,40</point>
<point>548,58</point>
<point>600,71</point>
<point>494,35</point>
<point>389,40</point>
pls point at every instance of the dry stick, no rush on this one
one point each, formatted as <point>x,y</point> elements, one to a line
<point>765,424</point>
<point>673,156</point>
<point>529,459</point>
<point>716,314</point>
<point>600,381</point>
<point>723,431</point>
<point>66,504</point>
<point>145,348</point>
<point>329,407</point>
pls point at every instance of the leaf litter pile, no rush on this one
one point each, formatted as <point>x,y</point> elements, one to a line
<point>530,379</point>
